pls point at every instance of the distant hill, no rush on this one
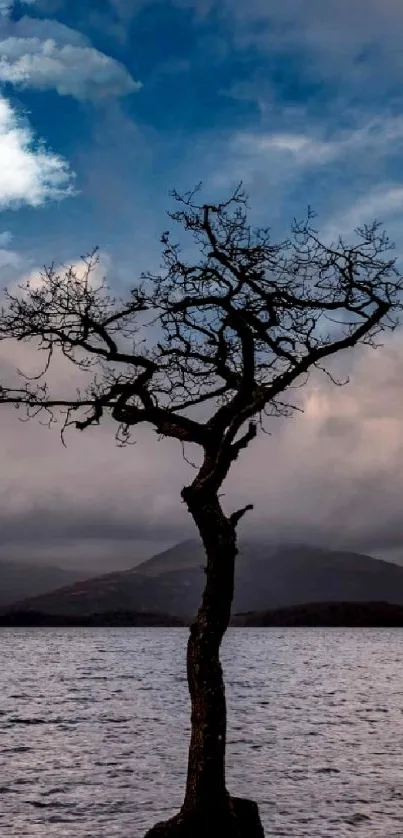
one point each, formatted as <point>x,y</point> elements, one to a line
<point>321,614</point>
<point>21,579</point>
<point>267,577</point>
<point>342,614</point>
<point>108,619</point>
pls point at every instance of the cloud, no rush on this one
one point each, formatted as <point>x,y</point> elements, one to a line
<point>333,475</point>
<point>355,46</point>
<point>79,71</point>
<point>45,29</point>
<point>339,24</point>
<point>295,151</point>
<point>34,279</point>
<point>70,500</point>
<point>9,258</point>
<point>12,263</point>
<point>7,5</point>
<point>384,202</point>
<point>29,173</point>
<point>349,176</point>
<point>5,238</point>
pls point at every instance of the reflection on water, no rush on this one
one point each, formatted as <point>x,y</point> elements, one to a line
<point>94,726</point>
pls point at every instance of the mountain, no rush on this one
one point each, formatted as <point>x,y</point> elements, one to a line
<point>267,577</point>
<point>106,619</point>
<point>19,580</point>
<point>352,614</point>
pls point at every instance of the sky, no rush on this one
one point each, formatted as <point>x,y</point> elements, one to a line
<point>107,105</point>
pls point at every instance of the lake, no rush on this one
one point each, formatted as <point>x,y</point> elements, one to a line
<point>94,728</point>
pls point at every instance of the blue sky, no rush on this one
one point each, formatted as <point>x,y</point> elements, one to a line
<point>133,97</point>
<point>105,106</point>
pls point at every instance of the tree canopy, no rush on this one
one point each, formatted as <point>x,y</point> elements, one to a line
<point>233,330</point>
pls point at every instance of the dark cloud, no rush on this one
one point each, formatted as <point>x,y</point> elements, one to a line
<point>62,523</point>
<point>332,475</point>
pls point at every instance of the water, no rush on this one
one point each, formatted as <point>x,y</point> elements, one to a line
<point>94,725</point>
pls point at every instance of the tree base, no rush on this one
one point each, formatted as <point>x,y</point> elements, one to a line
<point>240,820</point>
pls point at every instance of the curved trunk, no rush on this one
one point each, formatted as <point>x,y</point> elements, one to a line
<point>208,808</point>
<point>206,787</point>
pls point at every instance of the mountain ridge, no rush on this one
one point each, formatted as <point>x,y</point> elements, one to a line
<point>19,579</point>
<point>268,577</point>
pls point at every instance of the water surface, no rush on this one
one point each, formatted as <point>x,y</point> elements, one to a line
<point>94,727</point>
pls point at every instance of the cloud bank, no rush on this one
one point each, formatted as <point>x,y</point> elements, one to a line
<point>333,475</point>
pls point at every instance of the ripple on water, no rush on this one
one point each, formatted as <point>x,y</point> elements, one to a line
<point>94,726</point>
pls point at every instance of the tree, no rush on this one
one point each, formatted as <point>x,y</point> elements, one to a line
<point>233,331</point>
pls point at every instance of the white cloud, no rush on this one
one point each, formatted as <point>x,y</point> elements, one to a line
<point>10,258</point>
<point>34,279</point>
<point>72,69</point>
<point>29,173</point>
<point>303,150</point>
<point>384,202</point>
<point>12,263</point>
<point>45,29</point>
<point>345,176</point>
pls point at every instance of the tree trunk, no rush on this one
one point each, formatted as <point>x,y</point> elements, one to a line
<point>205,787</point>
<point>208,808</point>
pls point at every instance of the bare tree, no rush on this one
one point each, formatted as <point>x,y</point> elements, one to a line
<point>232,333</point>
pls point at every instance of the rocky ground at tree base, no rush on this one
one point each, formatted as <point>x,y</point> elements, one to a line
<point>242,821</point>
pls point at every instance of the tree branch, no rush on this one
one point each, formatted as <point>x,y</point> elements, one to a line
<point>236,328</point>
<point>235,517</point>
<point>244,441</point>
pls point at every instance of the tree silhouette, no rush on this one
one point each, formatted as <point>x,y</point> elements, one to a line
<point>227,335</point>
